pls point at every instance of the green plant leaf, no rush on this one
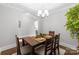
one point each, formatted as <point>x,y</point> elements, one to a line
<point>72,23</point>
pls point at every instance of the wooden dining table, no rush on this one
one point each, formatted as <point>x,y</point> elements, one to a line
<point>35,42</point>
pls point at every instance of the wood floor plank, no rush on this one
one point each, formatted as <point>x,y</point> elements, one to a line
<point>9,51</point>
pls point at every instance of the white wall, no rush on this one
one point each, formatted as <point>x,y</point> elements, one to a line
<point>27,25</point>
<point>56,22</point>
<point>9,25</point>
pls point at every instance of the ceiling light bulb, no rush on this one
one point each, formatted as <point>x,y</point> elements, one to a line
<point>39,12</point>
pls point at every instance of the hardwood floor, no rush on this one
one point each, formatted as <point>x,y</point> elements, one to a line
<point>13,51</point>
<point>9,51</point>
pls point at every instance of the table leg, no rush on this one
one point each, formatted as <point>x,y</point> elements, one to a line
<point>23,42</point>
<point>33,51</point>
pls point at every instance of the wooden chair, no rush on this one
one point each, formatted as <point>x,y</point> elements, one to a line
<point>52,33</point>
<point>49,46</point>
<point>46,49</point>
<point>56,43</point>
<point>22,49</point>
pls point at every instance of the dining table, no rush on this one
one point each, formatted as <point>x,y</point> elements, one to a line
<point>34,41</point>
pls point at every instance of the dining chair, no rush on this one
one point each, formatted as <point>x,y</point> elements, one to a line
<point>49,46</point>
<point>56,43</point>
<point>52,33</point>
<point>22,50</point>
<point>46,49</point>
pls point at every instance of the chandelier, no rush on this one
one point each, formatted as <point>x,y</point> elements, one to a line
<point>43,13</point>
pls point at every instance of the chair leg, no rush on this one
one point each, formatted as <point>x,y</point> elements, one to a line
<point>58,51</point>
<point>54,49</point>
<point>18,52</point>
<point>54,52</point>
<point>45,53</point>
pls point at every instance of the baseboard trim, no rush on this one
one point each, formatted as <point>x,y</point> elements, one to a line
<point>14,45</point>
<point>7,47</point>
<point>68,45</point>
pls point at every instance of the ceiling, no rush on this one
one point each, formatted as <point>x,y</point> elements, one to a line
<point>41,6</point>
<point>33,8</point>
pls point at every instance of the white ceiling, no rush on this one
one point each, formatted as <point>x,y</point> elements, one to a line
<point>33,8</point>
<point>41,6</point>
<point>37,6</point>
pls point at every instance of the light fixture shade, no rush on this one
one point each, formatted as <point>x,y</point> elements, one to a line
<point>39,12</point>
<point>46,12</point>
<point>43,13</point>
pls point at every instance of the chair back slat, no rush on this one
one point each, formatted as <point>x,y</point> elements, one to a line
<point>48,46</point>
<point>57,38</point>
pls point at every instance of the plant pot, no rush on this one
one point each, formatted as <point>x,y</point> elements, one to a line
<point>78,47</point>
<point>78,44</point>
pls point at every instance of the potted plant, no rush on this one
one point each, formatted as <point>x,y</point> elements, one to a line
<point>72,23</point>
